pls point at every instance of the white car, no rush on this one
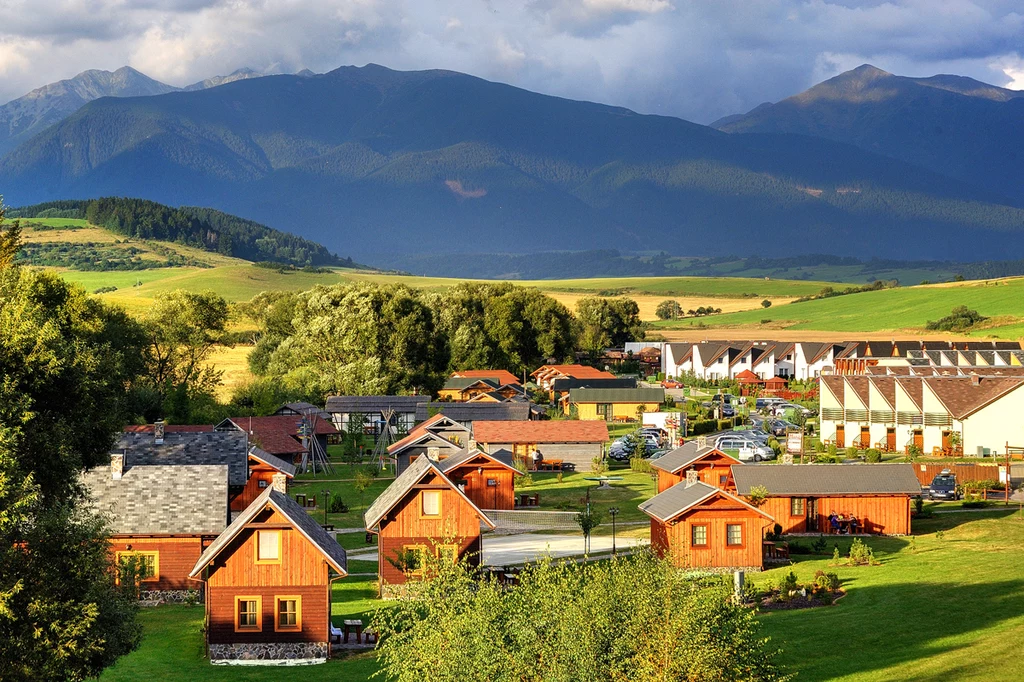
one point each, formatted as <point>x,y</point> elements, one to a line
<point>780,410</point>
<point>749,450</point>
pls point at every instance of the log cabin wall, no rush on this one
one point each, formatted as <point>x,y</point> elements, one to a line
<point>175,558</point>
<point>501,495</point>
<point>405,525</point>
<point>715,516</point>
<point>878,514</point>
<point>258,473</point>
<point>708,471</point>
<point>301,571</point>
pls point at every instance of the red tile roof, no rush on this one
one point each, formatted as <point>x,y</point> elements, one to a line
<point>553,431</point>
<point>285,423</point>
<point>277,443</point>
<point>747,377</point>
<point>575,371</point>
<point>503,376</point>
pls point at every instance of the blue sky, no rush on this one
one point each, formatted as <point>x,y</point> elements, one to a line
<point>699,60</point>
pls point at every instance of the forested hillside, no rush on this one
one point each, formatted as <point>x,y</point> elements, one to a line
<point>372,161</point>
<point>202,228</point>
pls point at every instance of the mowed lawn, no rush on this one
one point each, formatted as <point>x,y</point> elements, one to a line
<point>947,605</point>
<point>889,309</point>
<point>571,493</point>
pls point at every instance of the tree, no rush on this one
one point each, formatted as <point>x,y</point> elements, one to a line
<point>668,310</point>
<point>10,239</point>
<point>183,328</point>
<point>635,618</point>
<point>608,323</point>
<point>959,319</point>
<point>588,519</point>
<point>766,303</point>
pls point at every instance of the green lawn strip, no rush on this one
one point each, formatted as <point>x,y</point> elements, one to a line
<point>361,566</point>
<point>353,518</point>
<point>939,607</point>
<point>570,494</point>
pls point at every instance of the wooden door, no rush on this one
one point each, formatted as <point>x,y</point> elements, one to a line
<point>890,439</point>
<point>812,515</point>
<point>865,436</point>
<point>919,439</point>
<point>945,442</point>
<point>840,436</point>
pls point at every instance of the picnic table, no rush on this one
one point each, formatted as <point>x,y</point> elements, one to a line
<point>549,465</point>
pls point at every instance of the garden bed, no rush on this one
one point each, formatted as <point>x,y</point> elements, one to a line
<point>799,601</point>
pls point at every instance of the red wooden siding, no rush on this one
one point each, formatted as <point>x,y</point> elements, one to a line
<point>252,490</point>
<point>404,525</point>
<point>881,514</point>
<point>315,614</point>
<point>709,470</point>
<point>176,557</point>
<point>674,539</point>
<point>500,496</point>
<point>964,472</point>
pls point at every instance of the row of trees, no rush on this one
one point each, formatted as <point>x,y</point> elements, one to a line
<point>671,310</point>
<point>369,338</point>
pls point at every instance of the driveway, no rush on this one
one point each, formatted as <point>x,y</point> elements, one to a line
<point>506,550</point>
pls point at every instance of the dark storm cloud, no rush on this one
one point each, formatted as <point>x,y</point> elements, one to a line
<point>695,59</point>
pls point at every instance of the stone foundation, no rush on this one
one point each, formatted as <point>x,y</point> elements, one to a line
<point>269,653</point>
<point>157,597</point>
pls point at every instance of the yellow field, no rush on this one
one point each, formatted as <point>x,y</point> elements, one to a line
<point>648,304</point>
<point>231,361</point>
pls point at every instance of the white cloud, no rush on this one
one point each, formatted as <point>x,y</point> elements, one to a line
<point>691,58</point>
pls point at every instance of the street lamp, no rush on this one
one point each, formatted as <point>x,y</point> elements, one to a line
<point>613,511</point>
<point>327,497</point>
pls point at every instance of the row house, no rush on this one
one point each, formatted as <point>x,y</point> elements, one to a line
<point>970,414</point>
<point>717,360</point>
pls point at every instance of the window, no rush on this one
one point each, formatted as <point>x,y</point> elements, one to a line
<point>149,564</point>
<point>261,483</point>
<point>268,546</point>
<point>723,479</point>
<point>288,614</point>
<point>430,502</point>
<point>734,534</point>
<point>418,558</point>
<point>796,506</point>
<point>699,536</point>
<point>248,614</point>
<point>448,553</point>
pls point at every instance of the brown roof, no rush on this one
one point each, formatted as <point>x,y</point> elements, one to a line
<point>913,388</point>
<point>962,396</point>
<point>548,431</point>
<point>575,371</point>
<point>834,383</point>
<point>887,387</point>
<point>859,385</point>
<point>502,375</point>
<point>746,377</point>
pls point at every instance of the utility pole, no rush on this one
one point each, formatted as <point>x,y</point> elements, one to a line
<point>613,511</point>
<point>326,494</point>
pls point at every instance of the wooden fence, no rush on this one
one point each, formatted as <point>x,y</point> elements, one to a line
<point>964,472</point>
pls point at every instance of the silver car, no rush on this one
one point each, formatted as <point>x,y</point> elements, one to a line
<point>749,449</point>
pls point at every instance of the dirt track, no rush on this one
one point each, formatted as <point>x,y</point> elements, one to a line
<point>751,333</point>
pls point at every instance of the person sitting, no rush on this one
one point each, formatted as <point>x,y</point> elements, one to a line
<point>833,522</point>
<point>854,524</point>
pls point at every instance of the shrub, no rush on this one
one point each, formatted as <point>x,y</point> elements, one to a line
<point>826,581</point>
<point>598,465</point>
<point>918,504</point>
<point>913,452</point>
<point>640,465</point>
<point>798,548</point>
<point>873,455</point>
<point>861,554</point>
<point>832,450</point>
<point>757,496</point>
<point>522,481</point>
<point>818,545</point>
<point>337,505</point>
<point>789,583</point>
<point>851,452</point>
<point>766,303</point>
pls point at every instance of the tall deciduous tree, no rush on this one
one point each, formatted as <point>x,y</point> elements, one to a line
<point>10,238</point>
<point>608,323</point>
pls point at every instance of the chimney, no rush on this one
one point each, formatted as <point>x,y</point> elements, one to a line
<point>116,467</point>
<point>691,477</point>
<point>279,482</point>
<point>434,454</point>
<point>471,444</point>
<point>702,442</point>
<point>158,432</point>
<point>975,380</point>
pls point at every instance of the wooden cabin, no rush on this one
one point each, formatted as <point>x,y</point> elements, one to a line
<point>487,479</point>
<point>614,404</point>
<point>268,583</point>
<point>438,436</point>
<point>713,466</point>
<point>164,515</point>
<point>571,442</point>
<point>262,467</point>
<point>802,496</point>
<point>702,526</point>
<point>423,511</point>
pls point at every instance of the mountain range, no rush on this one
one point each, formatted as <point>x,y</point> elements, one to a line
<point>371,161</point>
<point>23,117</point>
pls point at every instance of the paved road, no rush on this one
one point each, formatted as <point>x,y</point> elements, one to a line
<point>505,550</point>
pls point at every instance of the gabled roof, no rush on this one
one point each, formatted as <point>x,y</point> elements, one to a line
<point>737,352</point>
<point>886,386</point>
<point>686,455</point>
<point>828,479</point>
<point>537,432</point>
<point>962,397</point>
<point>301,408</point>
<point>836,386</point>
<point>281,423</point>
<point>811,351</point>
<point>286,468</point>
<point>170,428</point>
<point>178,448</point>
<point>913,388</point>
<point>709,352</point>
<point>617,395</point>
<point>561,385</point>
<point>859,384</point>
<point>470,412</point>
<point>503,376</point>
<point>746,376</point>
<point>370,404</point>
<point>288,508</point>
<point>501,457</point>
<point>425,430</point>
<point>462,383</point>
<point>573,371</point>
<point>401,487</point>
<point>680,498</point>
<point>681,351</point>
<point>161,499</point>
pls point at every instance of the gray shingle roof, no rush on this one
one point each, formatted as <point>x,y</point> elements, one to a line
<point>178,499</point>
<point>368,404</point>
<point>569,384</point>
<point>459,383</point>
<point>617,395</point>
<point>272,460</point>
<point>217,447</point>
<point>502,456</point>
<point>684,456</point>
<point>401,486</point>
<point>290,509</point>
<point>828,479</point>
<point>469,412</point>
<point>669,504</point>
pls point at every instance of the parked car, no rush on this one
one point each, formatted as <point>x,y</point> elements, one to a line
<point>722,397</point>
<point>756,421</point>
<point>781,409</point>
<point>728,411</point>
<point>780,427</point>
<point>671,383</point>
<point>943,486</point>
<point>753,434</point>
<point>764,403</point>
<point>658,454</point>
<point>749,449</point>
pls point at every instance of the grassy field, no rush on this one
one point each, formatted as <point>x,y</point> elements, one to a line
<point>902,309</point>
<point>233,361</point>
<point>570,494</point>
<point>942,606</point>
